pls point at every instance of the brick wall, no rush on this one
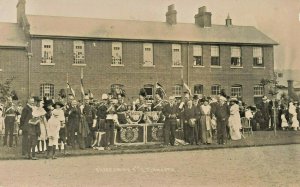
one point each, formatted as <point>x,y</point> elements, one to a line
<point>14,62</point>
<point>99,74</point>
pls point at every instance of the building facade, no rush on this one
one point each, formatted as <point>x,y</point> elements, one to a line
<point>136,54</point>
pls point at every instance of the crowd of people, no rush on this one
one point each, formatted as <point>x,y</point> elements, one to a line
<point>46,125</point>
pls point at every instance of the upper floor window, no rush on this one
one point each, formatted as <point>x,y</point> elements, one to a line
<point>258,57</point>
<point>47,51</point>
<point>236,91</point>
<point>148,54</point>
<point>117,53</point>
<point>197,54</point>
<point>215,55</point>
<point>78,52</point>
<point>258,90</point>
<point>215,89</point>
<point>198,89</point>
<point>176,54</point>
<point>236,57</point>
<point>47,90</point>
<point>177,90</point>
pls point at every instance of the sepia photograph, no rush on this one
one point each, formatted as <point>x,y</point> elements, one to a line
<point>149,93</point>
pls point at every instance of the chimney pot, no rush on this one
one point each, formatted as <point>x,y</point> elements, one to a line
<point>171,15</point>
<point>228,21</point>
<point>203,18</point>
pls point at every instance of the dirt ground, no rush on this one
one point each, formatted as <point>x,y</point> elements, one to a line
<point>253,166</point>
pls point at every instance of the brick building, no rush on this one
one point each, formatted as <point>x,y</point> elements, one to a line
<point>136,54</point>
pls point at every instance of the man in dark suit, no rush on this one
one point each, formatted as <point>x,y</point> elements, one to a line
<point>25,117</point>
<point>170,111</point>
<point>265,110</point>
<point>222,113</point>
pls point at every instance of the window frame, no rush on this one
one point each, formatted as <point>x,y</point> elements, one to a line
<point>201,90</point>
<point>212,56</point>
<point>79,53</point>
<point>236,59</point>
<point>47,52</point>
<point>117,57</point>
<point>235,93</point>
<point>149,86</point>
<point>215,92</point>
<point>148,59</point>
<point>198,56</point>
<point>176,55</point>
<point>261,89</point>
<point>177,90</point>
<point>258,57</point>
<point>47,86</point>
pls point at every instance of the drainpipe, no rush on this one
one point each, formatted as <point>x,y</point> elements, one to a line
<point>188,59</point>
<point>29,55</point>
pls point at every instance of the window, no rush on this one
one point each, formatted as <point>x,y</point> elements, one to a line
<point>117,86</point>
<point>197,54</point>
<point>78,52</point>
<point>214,52</point>
<point>47,51</point>
<point>215,89</point>
<point>257,57</point>
<point>148,54</point>
<point>236,57</point>
<point>116,53</point>
<point>258,90</point>
<point>198,89</point>
<point>176,54</point>
<point>149,88</point>
<point>236,91</point>
<point>47,90</point>
<point>177,90</point>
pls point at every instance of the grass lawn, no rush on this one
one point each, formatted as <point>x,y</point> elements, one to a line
<point>259,138</point>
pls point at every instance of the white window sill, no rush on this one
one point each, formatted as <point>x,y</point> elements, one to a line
<point>47,64</point>
<point>80,65</point>
<point>258,67</point>
<point>1,70</point>
<point>236,67</point>
<point>173,66</point>
<point>149,66</point>
<point>216,67</point>
<point>258,96</point>
<point>197,66</point>
<point>117,65</point>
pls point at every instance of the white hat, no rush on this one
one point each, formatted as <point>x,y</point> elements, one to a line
<point>104,96</point>
<point>264,98</point>
<point>86,97</point>
<point>222,98</point>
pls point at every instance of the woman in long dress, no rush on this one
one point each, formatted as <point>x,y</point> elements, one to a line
<point>234,120</point>
<point>39,111</point>
<point>205,122</point>
<point>293,114</point>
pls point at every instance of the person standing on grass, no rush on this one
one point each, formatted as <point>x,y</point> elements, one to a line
<point>205,122</point>
<point>56,121</point>
<point>222,114</point>
<point>189,119</point>
<point>234,120</point>
<point>10,113</point>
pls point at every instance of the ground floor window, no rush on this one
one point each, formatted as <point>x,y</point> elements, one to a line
<point>236,91</point>
<point>149,88</point>
<point>177,90</point>
<point>198,89</point>
<point>215,89</point>
<point>258,90</point>
<point>47,90</point>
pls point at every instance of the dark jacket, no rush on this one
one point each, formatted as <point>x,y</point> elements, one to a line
<point>168,111</point>
<point>25,117</point>
<point>189,113</point>
<point>89,113</point>
<point>222,112</point>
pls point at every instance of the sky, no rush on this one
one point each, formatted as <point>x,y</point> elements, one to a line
<point>278,19</point>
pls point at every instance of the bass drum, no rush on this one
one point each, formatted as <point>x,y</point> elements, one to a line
<point>134,117</point>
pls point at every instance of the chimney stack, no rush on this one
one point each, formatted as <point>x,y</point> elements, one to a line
<point>20,10</point>
<point>171,15</point>
<point>228,21</point>
<point>203,18</point>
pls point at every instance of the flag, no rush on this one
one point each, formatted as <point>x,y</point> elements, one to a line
<point>187,87</point>
<point>71,89</point>
<point>81,84</point>
<point>160,90</point>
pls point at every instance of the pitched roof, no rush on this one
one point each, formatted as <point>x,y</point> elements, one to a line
<point>11,35</point>
<point>143,30</point>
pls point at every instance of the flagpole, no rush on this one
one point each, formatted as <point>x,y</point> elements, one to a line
<point>82,94</point>
<point>67,88</point>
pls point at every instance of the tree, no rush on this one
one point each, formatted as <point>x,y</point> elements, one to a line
<point>5,87</point>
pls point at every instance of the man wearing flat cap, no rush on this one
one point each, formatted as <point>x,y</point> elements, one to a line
<point>170,111</point>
